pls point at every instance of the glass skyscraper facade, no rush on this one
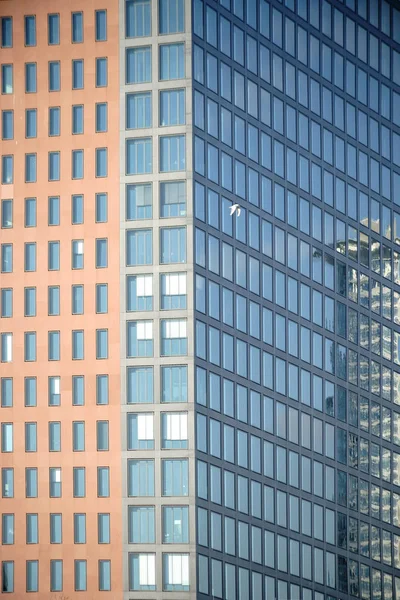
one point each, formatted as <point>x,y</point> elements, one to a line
<point>195,404</point>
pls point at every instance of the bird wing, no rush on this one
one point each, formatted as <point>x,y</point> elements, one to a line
<point>232,209</point>
<point>238,211</point>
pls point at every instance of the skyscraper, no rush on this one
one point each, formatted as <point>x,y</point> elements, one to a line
<point>194,403</point>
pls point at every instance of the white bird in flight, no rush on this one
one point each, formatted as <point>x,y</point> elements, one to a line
<point>235,208</point>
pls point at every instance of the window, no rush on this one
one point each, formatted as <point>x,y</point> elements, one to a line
<point>173,337</point>
<point>172,61</point>
<point>56,575</point>
<point>139,156</point>
<point>7,568</point>
<point>6,347</point>
<point>30,256</point>
<point>30,77</point>
<point>142,572</point>
<point>77,27</point>
<point>104,575</point>
<point>30,212</point>
<point>101,116</point>
<point>175,525</point>
<point>101,208</point>
<point>101,253</point>
<point>6,214</point>
<point>173,291</point>
<point>138,65</point>
<point>53,300</point>
<point>77,212</point>
<point>6,300</point>
<point>30,30</point>
<point>103,528</point>
<point>103,482</point>
<point>139,292</point>
<point>31,122</point>
<point>139,247</point>
<point>54,120</point>
<point>7,527</point>
<point>140,431</point>
<point>55,436</point>
<point>54,345</point>
<point>77,74</point>
<point>173,245</point>
<point>77,254</point>
<point>172,153</point>
<point>139,201</point>
<point>77,164</point>
<point>138,110</point>
<point>30,168</point>
<point>30,346</point>
<point>79,482</point>
<point>78,436</point>
<point>140,385</point>
<point>101,162</point>
<point>55,482</point>
<point>6,392</point>
<point>7,124</point>
<point>172,107</point>
<point>175,475</point>
<point>101,72</point>
<point>173,199</point>
<point>53,29</point>
<point>174,430</point>
<point>7,85</point>
<point>141,525</point>
<point>138,18</point>
<point>55,528</point>
<point>172,16</point>
<point>7,437</point>
<point>101,25</point>
<point>140,478</point>
<point>54,210</point>
<point>30,391</point>
<point>6,32</point>
<point>80,575</point>
<point>139,338</point>
<point>54,76</point>
<point>78,390</point>
<point>78,344</point>
<point>54,166</point>
<point>30,437</point>
<point>101,344</point>
<point>32,575</point>
<point>30,302</point>
<point>54,391</point>
<point>77,119</point>
<point>32,528</point>
<point>7,483</point>
<point>79,528</point>
<point>7,169</point>
<point>6,258</point>
<point>101,298</point>
<point>101,389</point>
<point>54,256</point>
<point>176,572</point>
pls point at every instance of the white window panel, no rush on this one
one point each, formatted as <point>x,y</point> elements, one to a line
<point>145,330</point>
<point>175,284</point>
<point>144,285</point>
<point>147,569</point>
<point>57,475</point>
<point>175,329</point>
<point>145,427</point>
<point>178,569</point>
<point>176,426</point>
<point>55,385</point>
<point>6,347</point>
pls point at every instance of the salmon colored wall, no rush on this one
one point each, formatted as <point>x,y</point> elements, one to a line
<point>42,369</point>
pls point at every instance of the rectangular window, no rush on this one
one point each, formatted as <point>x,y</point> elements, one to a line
<point>139,292</point>
<point>139,249</point>
<point>7,527</point>
<point>54,76</point>
<point>77,254</point>
<point>54,391</point>
<point>104,575</point>
<point>7,124</point>
<point>32,528</point>
<point>54,166</point>
<point>175,525</point>
<point>175,477</point>
<point>30,256</point>
<point>77,203</point>
<point>79,528</point>
<point>53,300</point>
<point>77,119</point>
<point>139,338</point>
<point>176,572</point>
<point>102,436</point>
<point>55,482</point>
<point>6,214</point>
<point>54,210</point>
<point>173,291</point>
<point>138,18</point>
<point>78,345</point>
<point>30,168</point>
<point>54,345</point>
<point>101,298</point>
<point>140,385</point>
<point>101,72</point>
<point>173,199</point>
<point>30,212</point>
<point>32,575</point>
<point>7,437</point>
<point>79,482</point>
<point>139,201</point>
<point>6,32</point>
<point>31,482</point>
<point>139,157</point>
<point>30,391</point>
<point>101,162</point>
<point>54,256</point>
<point>140,478</point>
<point>80,575</point>
<point>172,61</point>
<point>103,482</point>
<point>30,437</point>
<point>172,153</point>
<point>103,528</point>
<point>53,29</point>
<point>7,169</point>
<point>78,390</point>
<point>101,253</point>
<point>101,25</point>
<point>7,483</point>
<point>55,528</point>
<point>6,302</point>
<point>141,525</point>
<point>30,78</point>
<point>138,65</point>
<point>30,30</point>
<point>172,16</point>
<point>6,392</point>
<point>172,107</point>
<point>174,430</point>
<point>102,389</point>
<point>54,120</point>
<point>7,568</point>
<point>173,245</point>
<point>101,344</point>
<point>78,436</point>
<point>77,74</point>
<point>140,429</point>
<point>138,110</point>
<point>142,572</point>
<point>56,575</point>
<point>7,84</point>
<point>101,208</point>
<point>30,302</point>
<point>77,27</point>
<point>6,258</point>
<point>31,122</point>
<point>77,164</point>
<point>101,117</point>
<point>54,436</point>
<point>30,346</point>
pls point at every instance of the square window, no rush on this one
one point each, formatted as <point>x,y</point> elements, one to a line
<point>139,247</point>
<point>173,245</point>
<point>174,430</point>
<point>173,291</point>
<point>139,202</point>
<point>139,157</point>
<point>139,292</point>
<point>139,339</point>
<point>173,199</point>
<point>173,337</point>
